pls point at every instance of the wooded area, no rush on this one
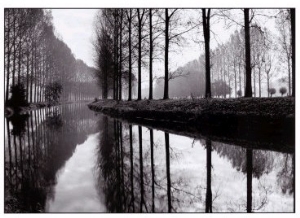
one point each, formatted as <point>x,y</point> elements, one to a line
<point>129,42</point>
<point>37,62</point>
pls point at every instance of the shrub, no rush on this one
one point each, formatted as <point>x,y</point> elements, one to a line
<point>52,92</point>
<point>282,90</point>
<point>239,93</point>
<point>272,91</point>
<point>18,96</point>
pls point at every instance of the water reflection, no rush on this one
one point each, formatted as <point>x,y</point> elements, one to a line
<point>146,170</point>
<point>37,146</point>
<point>55,158</point>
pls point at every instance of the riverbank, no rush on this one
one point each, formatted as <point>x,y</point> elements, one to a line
<point>35,106</point>
<point>255,122</point>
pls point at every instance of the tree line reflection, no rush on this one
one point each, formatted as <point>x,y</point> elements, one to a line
<point>140,169</point>
<point>139,172</point>
<point>37,145</point>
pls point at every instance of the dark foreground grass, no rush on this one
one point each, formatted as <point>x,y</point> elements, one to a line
<point>266,123</point>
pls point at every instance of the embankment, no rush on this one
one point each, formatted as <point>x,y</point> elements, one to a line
<point>266,123</point>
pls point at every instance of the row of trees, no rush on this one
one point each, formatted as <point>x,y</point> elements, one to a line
<point>268,55</point>
<point>35,58</point>
<point>140,171</point>
<point>137,168</point>
<point>34,155</point>
<point>124,37</point>
<point>131,40</point>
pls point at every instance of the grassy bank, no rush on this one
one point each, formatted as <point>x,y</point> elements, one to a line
<point>255,122</point>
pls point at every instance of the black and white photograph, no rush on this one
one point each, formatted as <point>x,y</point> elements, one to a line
<point>149,108</point>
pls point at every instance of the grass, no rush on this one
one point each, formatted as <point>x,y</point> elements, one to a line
<point>256,122</point>
<point>271,107</point>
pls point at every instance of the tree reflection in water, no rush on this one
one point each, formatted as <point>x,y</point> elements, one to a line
<point>142,172</point>
<point>37,145</point>
<point>140,169</point>
<point>208,205</point>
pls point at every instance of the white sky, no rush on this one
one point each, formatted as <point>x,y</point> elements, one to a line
<point>75,27</point>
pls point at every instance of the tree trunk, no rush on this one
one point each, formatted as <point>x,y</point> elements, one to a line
<point>31,77</point>
<point>235,80</point>
<point>208,202</point>
<point>268,84</point>
<point>289,77</point>
<point>35,73</point>
<point>166,87</point>
<point>27,76</point>
<point>131,166</point>
<point>240,78</point>
<point>130,58</point>
<point>152,169</point>
<point>115,84</point>
<point>19,63</point>
<point>259,81</point>
<point>206,31</point>
<point>150,55</point>
<point>141,168</point>
<point>254,83</point>
<point>168,172</point>
<point>8,59</point>
<point>248,88</point>
<point>249,158</point>
<point>14,53</point>
<point>293,49</point>
<point>120,63</point>
<point>139,55</point>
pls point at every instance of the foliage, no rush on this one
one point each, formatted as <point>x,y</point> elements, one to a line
<point>54,120</point>
<point>239,93</point>
<point>18,122</point>
<point>52,92</point>
<point>18,96</point>
<point>30,43</point>
<point>282,90</point>
<point>220,88</point>
<point>272,91</point>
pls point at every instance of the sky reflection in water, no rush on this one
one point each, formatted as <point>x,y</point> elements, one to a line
<point>68,160</point>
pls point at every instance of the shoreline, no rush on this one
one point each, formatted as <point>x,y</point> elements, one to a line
<point>36,106</point>
<point>265,123</point>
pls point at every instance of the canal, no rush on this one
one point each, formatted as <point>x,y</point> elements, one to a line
<point>71,159</point>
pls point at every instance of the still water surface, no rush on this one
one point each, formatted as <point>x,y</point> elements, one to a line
<point>69,159</point>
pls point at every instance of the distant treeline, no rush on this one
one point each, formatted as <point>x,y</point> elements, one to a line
<point>37,60</point>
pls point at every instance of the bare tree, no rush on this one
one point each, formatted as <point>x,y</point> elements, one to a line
<point>206,33</point>
<point>141,18</point>
<point>247,21</point>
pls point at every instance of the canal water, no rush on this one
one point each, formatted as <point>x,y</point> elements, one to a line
<point>70,159</point>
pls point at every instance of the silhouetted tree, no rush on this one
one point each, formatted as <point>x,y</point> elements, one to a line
<point>52,92</point>
<point>18,97</point>
<point>220,88</point>
<point>247,21</point>
<point>141,17</point>
<point>249,157</point>
<point>239,93</point>
<point>272,91</point>
<point>206,33</point>
<point>282,91</point>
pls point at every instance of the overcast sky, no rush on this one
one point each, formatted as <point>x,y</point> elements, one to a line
<point>75,27</point>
